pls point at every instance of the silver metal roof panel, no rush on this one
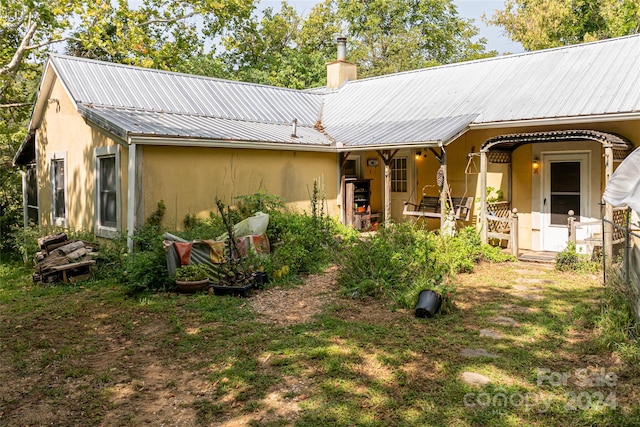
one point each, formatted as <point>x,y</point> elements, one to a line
<point>589,79</point>
<point>124,123</point>
<point>106,84</point>
<point>429,105</point>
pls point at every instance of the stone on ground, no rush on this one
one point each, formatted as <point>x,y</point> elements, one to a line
<point>476,379</point>
<point>477,352</point>
<point>491,334</point>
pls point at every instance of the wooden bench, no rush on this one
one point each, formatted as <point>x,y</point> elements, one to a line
<point>499,220</point>
<point>429,207</point>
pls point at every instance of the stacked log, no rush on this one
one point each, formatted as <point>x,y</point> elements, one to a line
<point>61,259</point>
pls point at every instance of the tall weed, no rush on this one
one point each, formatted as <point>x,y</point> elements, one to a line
<point>403,259</point>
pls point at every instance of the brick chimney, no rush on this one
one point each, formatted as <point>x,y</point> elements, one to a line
<point>340,71</point>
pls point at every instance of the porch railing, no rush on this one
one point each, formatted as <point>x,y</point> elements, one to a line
<point>502,224</point>
<point>596,240</point>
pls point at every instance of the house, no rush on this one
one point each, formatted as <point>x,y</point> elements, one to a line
<point>107,142</point>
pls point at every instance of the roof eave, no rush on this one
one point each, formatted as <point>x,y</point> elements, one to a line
<point>170,140</point>
<point>569,120</point>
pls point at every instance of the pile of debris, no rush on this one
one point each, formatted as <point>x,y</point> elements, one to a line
<point>64,260</point>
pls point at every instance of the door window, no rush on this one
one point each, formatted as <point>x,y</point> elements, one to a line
<point>565,191</point>
<point>399,175</point>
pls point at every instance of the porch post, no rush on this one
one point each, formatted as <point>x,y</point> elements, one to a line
<point>444,190</point>
<point>387,156</point>
<point>608,209</point>
<point>483,197</point>
<point>133,194</point>
<point>387,190</point>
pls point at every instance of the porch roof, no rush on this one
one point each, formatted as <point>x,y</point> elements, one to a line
<point>510,142</point>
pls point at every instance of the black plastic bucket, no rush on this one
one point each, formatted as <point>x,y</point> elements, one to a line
<point>428,303</point>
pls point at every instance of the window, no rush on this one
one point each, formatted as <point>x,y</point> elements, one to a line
<point>30,189</point>
<point>107,214</point>
<point>565,191</point>
<point>399,175</point>
<point>352,167</point>
<point>58,189</point>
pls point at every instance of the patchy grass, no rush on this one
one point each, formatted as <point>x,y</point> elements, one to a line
<point>91,355</point>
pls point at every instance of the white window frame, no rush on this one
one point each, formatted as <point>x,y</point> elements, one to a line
<point>59,221</point>
<point>25,196</point>
<point>101,230</point>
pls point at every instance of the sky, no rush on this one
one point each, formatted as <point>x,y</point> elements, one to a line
<point>470,9</point>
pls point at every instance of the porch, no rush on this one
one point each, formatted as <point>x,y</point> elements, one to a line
<point>564,185</point>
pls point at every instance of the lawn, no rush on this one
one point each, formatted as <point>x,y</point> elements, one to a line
<point>90,354</point>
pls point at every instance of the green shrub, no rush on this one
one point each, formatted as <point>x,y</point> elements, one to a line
<point>403,259</point>
<point>146,267</point>
<point>570,260</point>
<point>619,330</point>
<point>298,242</point>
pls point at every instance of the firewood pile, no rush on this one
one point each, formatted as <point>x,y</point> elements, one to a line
<point>64,260</point>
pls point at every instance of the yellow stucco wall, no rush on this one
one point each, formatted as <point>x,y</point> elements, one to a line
<point>526,187</point>
<point>188,179</point>
<point>63,130</point>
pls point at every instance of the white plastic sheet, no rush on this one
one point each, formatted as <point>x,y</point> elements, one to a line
<point>624,186</point>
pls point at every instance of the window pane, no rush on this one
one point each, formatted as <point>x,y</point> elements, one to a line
<point>32,186</point>
<point>108,173</point>
<point>565,176</point>
<point>108,196</point>
<point>58,189</point>
<point>560,206</point>
<point>399,175</point>
<point>108,211</point>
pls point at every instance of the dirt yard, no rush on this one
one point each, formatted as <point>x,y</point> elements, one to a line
<point>86,359</point>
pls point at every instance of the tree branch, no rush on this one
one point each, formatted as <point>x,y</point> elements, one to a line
<point>169,20</point>
<point>16,105</point>
<point>16,60</point>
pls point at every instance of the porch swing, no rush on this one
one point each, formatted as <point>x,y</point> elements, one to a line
<point>431,206</point>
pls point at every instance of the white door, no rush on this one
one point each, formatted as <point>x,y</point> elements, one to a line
<point>402,182</point>
<point>565,188</point>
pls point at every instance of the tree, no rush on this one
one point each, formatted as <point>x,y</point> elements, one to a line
<point>270,51</point>
<point>159,33</point>
<point>541,24</point>
<point>387,36</point>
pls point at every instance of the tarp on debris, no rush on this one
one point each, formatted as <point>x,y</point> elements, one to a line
<point>249,234</point>
<point>623,188</point>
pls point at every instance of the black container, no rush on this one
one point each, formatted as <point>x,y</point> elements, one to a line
<point>428,303</point>
<point>261,279</point>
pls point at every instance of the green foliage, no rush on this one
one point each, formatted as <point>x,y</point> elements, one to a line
<point>303,243</point>
<point>542,24</point>
<point>197,228</point>
<point>191,273</point>
<point>248,205</point>
<point>401,260</point>
<point>570,260</point>
<point>146,267</point>
<point>387,36</point>
<point>618,327</point>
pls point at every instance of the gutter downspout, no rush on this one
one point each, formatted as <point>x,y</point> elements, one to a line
<point>483,197</point>
<point>132,179</point>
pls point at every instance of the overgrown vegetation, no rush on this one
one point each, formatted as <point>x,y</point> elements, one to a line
<point>570,260</point>
<point>88,355</point>
<point>403,259</point>
<point>619,329</point>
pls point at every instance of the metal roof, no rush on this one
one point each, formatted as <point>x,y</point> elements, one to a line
<point>120,86</point>
<point>512,141</point>
<point>590,79</point>
<point>420,131</point>
<point>429,106</point>
<point>126,122</point>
